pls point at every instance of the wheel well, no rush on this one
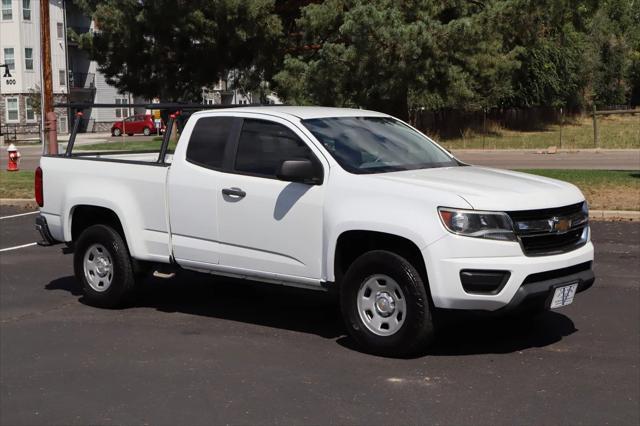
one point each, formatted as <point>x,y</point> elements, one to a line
<point>353,244</point>
<point>86,216</point>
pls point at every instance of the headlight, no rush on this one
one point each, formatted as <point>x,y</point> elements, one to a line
<point>471,223</point>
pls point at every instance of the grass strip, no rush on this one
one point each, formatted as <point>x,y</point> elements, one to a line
<point>16,184</point>
<point>604,189</point>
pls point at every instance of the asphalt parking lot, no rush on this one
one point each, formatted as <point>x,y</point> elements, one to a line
<point>200,350</point>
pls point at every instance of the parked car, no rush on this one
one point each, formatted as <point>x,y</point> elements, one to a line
<point>331,199</point>
<point>136,124</point>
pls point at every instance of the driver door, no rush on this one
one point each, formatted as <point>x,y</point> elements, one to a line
<point>268,226</point>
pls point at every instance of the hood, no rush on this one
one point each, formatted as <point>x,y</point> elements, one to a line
<point>492,189</point>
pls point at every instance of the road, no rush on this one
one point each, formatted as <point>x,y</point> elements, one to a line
<point>199,350</point>
<point>505,159</point>
<point>526,159</point>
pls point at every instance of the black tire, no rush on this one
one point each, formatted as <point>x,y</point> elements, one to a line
<point>417,330</point>
<point>116,132</point>
<point>146,131</point>
<point>122,288</point>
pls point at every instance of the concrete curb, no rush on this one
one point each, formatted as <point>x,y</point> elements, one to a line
<point>605,215</point>
<point>22,203</point>
<point>611,215</point>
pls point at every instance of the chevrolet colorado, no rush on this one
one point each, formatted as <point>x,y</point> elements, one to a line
<point>322,198</point>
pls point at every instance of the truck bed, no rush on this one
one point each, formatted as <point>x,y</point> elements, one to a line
<point>132,185</point>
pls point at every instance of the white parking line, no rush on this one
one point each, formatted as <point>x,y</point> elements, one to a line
<point>18,215</point>
<point>18,247</point>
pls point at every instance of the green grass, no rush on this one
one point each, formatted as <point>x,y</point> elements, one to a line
<point>116,145</point>
<point>16,184</point>
<point>604,189</point>
<point>591,177</point>
<point>621,131</point>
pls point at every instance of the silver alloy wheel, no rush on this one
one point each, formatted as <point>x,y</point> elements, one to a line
<point>381,305</point>
<point>98,267</point>
<point>146,131</point>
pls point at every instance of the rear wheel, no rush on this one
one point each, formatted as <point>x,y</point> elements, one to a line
<point>146,131</point>
<point>385,305</point>
<point>116,132</point>
<point>103,267</point>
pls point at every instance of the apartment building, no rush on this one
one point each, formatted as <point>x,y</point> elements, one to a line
<point>87,84</point>
<point>20,50</point>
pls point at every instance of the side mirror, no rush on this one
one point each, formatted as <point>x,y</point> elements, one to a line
<point>302,171</point>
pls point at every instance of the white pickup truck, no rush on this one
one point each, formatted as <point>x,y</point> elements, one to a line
<point>322,198</point>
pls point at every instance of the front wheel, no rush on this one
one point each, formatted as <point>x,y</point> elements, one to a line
<point>116,132</point>
<point>385,305</point>
<point>146,131</point>
<point>103,267</point>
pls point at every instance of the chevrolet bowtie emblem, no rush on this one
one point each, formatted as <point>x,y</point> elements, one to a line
<point>561,225</point>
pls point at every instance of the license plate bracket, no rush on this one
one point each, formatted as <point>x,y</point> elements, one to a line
<point>562,295</point>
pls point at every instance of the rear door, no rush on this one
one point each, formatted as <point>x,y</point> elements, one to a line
<point>273,227</point>
<point>194,185</point>
<point>138,124</point>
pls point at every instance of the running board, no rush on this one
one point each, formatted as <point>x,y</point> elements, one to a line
<point>164,275</point>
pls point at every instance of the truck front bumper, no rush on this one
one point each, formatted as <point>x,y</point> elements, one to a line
<point>525,279</point>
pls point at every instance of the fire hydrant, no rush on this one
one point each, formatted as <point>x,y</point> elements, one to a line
<point>14,158</point>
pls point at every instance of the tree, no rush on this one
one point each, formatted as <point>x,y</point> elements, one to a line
<point>35,98</point>
<point>615,47</point>
<point>392,56</point>
<point>171,49</point>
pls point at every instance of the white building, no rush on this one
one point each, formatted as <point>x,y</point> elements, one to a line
<point>75,77</point>
<point>223,93</point>
<point>20,49</point>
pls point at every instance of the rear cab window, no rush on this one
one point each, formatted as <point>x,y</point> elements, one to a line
<point>208,141</point>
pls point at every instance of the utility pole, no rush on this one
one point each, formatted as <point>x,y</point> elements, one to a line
<point>50,122</point>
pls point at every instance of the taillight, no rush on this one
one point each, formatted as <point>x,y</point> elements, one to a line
<point>38,187</point>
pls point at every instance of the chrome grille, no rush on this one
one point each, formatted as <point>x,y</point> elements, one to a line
<point>551,231</point>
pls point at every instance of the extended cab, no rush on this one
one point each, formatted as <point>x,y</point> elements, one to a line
<point>322,198</point>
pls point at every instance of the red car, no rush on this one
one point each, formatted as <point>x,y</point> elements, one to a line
<point>136,124</point>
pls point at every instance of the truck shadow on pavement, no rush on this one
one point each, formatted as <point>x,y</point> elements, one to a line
<point>318,313</point>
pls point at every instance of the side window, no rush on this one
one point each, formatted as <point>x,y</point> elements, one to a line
<point>208,141</point>
<point>264,145</point>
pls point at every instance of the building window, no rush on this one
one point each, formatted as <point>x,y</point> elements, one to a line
<point>60,30</point>
<point>63,78</point>
<point>26,10</point>
<point>122,112</point>
<point>28,58</point>
<point>12,109</point>
<point>62,125</point>
<point>9,58</point>
<point>29,113</point>
<point>7,11</point>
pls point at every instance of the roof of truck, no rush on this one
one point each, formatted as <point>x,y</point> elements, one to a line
<point>302,112</point>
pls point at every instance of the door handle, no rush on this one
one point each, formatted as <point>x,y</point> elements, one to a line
<point>234,192</point>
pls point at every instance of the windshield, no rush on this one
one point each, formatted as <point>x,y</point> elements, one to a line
<point>376,144</point>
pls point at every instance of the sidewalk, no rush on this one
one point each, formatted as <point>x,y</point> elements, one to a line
<point>600,159</point>
<point>86,137</point>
